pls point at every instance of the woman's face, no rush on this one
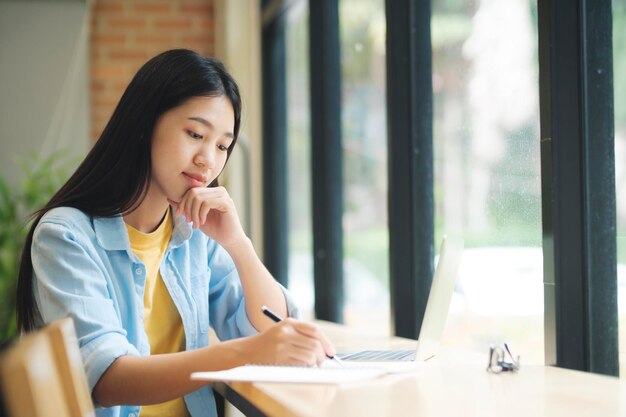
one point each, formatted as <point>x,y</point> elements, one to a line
<point>189,146</point>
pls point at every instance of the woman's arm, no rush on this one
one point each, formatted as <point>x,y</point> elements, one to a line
<point>259,286</point>
<point>213,212</point>
<point>158,378</point>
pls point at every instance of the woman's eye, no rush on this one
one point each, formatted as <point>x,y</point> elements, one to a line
<point>222,148</point>
<point>194,135</point>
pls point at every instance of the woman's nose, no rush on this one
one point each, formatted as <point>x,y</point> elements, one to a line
<point>205,158</point>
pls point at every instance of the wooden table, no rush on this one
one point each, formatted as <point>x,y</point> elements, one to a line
<point>452,384</point>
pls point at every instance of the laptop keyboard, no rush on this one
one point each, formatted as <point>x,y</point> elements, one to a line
<point>379,355</point>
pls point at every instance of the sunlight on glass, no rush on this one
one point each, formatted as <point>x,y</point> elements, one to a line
<point>487,178</point>
<point>487,169</point>
<point>364,128</point>
<point>299,159</point>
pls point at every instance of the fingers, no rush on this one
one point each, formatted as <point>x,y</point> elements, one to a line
<point>306,357</point>
<point>204,212</point>
<point>312,331</point>
<point>198,202</point>
<point>300,343</point>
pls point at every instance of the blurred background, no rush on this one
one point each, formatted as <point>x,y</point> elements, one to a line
<point>487,166</point>
<point>64,65</point>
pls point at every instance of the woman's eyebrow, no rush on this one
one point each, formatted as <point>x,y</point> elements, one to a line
<point>208,124</point>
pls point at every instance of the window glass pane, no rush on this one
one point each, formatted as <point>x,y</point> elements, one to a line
<point>364,129</point>
<point>619,82</point>
<point>299,158</point>
<point>487,170</point>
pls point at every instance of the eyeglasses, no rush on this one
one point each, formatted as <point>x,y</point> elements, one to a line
<point>498,360</point>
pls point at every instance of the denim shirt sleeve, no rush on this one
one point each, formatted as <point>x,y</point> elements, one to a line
<point>227,307</point>
<point>69,283</point>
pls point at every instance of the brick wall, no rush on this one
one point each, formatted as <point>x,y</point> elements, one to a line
<point>126,33</point>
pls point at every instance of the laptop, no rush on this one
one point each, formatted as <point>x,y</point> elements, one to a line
<point>435,314</point>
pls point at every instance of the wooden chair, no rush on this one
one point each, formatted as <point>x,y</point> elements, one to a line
<point>42,375</point>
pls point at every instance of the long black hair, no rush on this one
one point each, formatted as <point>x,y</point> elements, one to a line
<point>113,178</point>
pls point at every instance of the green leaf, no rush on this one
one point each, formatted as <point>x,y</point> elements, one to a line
<point>42,177</point>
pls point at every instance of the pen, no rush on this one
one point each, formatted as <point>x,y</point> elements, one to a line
<point>269,313</point>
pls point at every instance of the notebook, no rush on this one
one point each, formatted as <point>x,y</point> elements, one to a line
<point>291,374</point>
<point>435,314</point>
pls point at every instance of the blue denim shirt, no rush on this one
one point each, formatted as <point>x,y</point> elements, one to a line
<point>84,268</point>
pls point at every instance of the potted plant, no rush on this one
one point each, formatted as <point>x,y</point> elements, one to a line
<point>41,178</point>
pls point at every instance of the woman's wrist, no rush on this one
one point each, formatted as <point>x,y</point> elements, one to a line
<point>240,249</point>
<point>235,352</point>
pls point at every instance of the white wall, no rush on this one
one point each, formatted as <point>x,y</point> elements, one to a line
<point>44,102</point>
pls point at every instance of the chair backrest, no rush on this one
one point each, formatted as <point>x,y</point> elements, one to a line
<point>62,337</point>
<point>42,375</point>
<point>30,379</point>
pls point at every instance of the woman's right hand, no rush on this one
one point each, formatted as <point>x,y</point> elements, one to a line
<point>134,379</point>
<point>290,342</point>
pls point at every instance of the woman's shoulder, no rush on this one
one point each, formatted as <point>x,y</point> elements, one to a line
<point>67,218</point>
<point>68,215</point>
<point>63,224</point>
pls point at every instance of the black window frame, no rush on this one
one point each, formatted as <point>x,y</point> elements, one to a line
<point>577,173</point>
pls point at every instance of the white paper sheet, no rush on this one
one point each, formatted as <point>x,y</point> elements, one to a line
<point>291,374</point>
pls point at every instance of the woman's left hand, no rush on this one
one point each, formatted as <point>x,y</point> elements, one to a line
<point>212,211</point>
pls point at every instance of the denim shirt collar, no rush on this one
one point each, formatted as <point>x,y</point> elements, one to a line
<point>111,232</point>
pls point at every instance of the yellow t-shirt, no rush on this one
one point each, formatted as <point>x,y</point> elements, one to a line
<point>160,316</point>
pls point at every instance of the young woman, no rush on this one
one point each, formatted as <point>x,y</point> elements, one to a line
<point>145,251</point>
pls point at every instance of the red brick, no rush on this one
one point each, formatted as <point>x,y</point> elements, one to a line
<point>108,38</point>
<point>205,50</point>
<point>94,55</point>
<point>105,102</point>
<point>173,24</point>
<point>120,86</point>
<point>152,7</point>
<point>126,22</point>
<point>98,86</point>
<point>107,71</point>
<point>198,40</point>
<point>165,38</point>
<point>126,33</point>
<point>206,25</point>
<point>107,6</point>
<point>95,134</point>
<point>188,7</point>
<point>128,54</point>
<point>102,114</point>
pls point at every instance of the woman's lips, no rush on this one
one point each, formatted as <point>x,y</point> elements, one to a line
<point>193,181</point>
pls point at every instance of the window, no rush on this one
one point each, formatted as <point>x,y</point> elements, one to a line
<point>364,129</point>
<point>487,170</point>
<point>486,165</point>
<point>619,82</point>
<point>299,158</point>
